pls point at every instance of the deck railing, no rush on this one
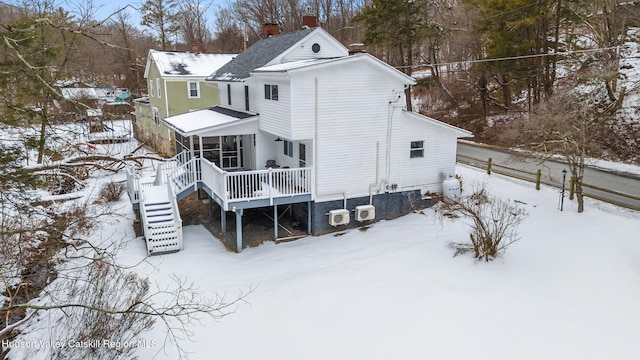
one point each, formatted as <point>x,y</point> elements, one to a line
<point>135,184</point>
<point>237,186</point>
<point>228,186</point>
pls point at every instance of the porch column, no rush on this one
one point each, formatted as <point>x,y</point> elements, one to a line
<point>223,219</point>
<point>192,155</point>
<point>309,217</point>
<point>275,222</point>
<point>239,230</point>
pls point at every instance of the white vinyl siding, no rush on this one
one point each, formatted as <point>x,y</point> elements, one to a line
<point>275,116</point>
<point>237,95</point>
<point>439,159</point>
<point>352,136</point>
<point>329,48</point>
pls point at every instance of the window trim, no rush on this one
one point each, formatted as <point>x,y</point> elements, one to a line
<point>288,148</point>
<point>155,114</point>
<point>302,155</point>
<point>197,89</point>
<point>271,92</point>
<point>246,97</point>
<point>416,151</point>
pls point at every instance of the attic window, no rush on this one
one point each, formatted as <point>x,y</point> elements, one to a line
<point>315,48</point>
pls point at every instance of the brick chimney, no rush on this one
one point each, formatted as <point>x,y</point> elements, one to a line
<point>270,29</point>
<point>309,21</point>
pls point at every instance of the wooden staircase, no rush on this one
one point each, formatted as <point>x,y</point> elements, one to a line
<point>161,222</point>
<point>157,200</point>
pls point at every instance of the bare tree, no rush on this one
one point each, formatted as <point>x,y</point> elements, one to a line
<point>494,223</point>
<point>230,34</point>
<point>565,125</point>
<point>192,21</point>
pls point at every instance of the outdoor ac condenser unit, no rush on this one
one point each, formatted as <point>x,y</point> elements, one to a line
<point>338,217</point>
<point>365,212</point>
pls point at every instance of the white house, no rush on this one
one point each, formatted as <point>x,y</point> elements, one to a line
<point>303,122</point>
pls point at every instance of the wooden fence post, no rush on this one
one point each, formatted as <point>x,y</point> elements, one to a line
<point>489,166</point>
<point>538,176</point>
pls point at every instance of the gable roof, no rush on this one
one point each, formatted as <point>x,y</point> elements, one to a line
<point>258,55</point>
<point>187,64</point>
<point>309,64</point>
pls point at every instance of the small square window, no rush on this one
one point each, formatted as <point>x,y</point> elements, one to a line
<point>271,92</point>
<point>417,149</point>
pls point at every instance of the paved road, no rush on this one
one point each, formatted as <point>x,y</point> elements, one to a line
<point>505,162</point>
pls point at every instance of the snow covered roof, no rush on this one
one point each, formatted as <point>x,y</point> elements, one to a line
<point>258,55</point>
<point>302,65</point>
<point>459,132</point>
<point>181,63</point>
<point>292,65</point>
<point>212,118</point>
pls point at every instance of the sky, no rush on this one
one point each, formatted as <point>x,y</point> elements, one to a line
<point>104,8</point>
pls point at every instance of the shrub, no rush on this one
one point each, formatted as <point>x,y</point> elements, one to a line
<point>495,223</point>
<point>111,192</point>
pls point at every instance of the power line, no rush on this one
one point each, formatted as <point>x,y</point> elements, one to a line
<point>510,58</point>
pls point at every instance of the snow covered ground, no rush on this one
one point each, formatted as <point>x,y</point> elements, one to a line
<point>569,289</point>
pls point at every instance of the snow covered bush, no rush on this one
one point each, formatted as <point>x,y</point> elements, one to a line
<point>111,192</point>
<point>494,223</point>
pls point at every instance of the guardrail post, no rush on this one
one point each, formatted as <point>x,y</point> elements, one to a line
<point>489,166</point>
<point>572,187</point>
<point>538,176</point>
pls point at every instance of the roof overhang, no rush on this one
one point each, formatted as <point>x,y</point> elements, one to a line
<point>460,133</point>
<point>207,120</point>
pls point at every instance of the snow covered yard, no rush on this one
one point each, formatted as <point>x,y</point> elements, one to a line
<point>569,289</point>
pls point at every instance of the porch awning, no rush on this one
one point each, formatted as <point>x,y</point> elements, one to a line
<point>205,120</point>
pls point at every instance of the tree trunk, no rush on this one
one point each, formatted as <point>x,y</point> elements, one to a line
<point>579,195</point>
<point>43,133</point>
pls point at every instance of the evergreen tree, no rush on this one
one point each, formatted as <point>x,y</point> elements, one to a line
<point>162,17</point>
<point>32,62</point>
<point>518,31</point>
<point>400,27</point>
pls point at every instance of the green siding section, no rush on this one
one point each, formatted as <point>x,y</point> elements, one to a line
<point>179,101</point>
<point>144,120</point>
<point>176,94</point>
